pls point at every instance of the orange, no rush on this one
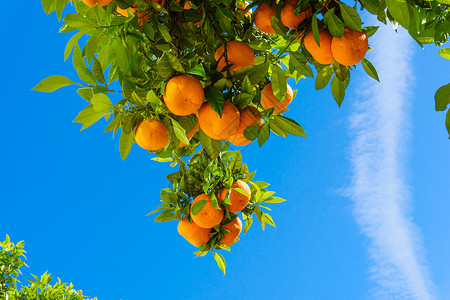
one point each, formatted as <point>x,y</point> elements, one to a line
<point>216,127</point>
<point>184,95</point>
<point>262,14</point>
<point>151,134</point>
<point>208,217</point>
<point>268,99</point>
<point>289,19</point>
<point>238,53</point>
<point>322,54</point>
<point>351,48</point>
<point>248,117</point>
<point>235,227</point>
<point>238,200</point>
<point>193,233</point>
<point>124,12</point>
<point>190,134</point>
<point>93,2</point>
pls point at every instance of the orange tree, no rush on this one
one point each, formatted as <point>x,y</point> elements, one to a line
<point>195,75</point>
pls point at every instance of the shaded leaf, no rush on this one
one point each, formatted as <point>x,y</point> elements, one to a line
<point>442,97</point>
<point>370,69</point>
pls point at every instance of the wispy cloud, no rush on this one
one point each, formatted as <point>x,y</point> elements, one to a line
<point>380,134</point>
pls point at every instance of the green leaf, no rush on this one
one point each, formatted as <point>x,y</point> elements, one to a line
<point>247,85</point>
<point>370,69</point>
<point>211,146</point>
<point>278,26</point>
<point>220,261</point>
<point>179,132</point>
<point>338,88</point>
<point>371,5</point>
<point>444,52</point>
<point>297,62</point>
<point>248,223</point>
<point>98,71</point>
<point>215,99</point>
<point>334,24</point>
<point>263,134</point>
<point>258,72</point>
<point>251,132</point>
<point>88,116</point>
<point>370,30</point>
<point>164,32</point>
<point>86,75</point>
<point>315,29</point>
<point>85,93</point>
<point>49,6</point>
<point>269,220</point>
<point>279,83</point>
<point>274,200</point>
<point>198,206</point>
<point>198,70</point>
<point>165,216</point>
<point>401,11</point>
<point>164,67</point>
<point>446,2</point>
<point>122,59</point>
<point>442,97</point>
<point>101,103</point>
<point>125,143</point>
<point>53,83</point>
<point>447,122</point>
<point>288,125</point>
<point>152,98</point>
<point>71,43</point>
<point>260,45</point>
<point>350,16</point>
<point>323,77</point>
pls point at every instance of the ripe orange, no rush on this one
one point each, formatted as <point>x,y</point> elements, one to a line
<point>235,227</point>
<point>262,14</point>
<point>151,134</point>
<point>238,200</point>
<point>208,217</point>
<point>289,19</point>
<point>190,134</point>
<point>216,127</point>
<point>193,233</point>
<point>238,53</point>
<point>351,48</point>
<point>268,100</point>
<point>124,12</point>
<point>183,95</point>
<point>322,54</point>
<point>99,2</point>
<point>248,117</point>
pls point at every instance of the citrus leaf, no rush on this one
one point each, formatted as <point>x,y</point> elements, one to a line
<point>323,77</point>
<point>49,6</point>
<point>442,97</point>
<point>288,125</point>
<point>279,83</point>
<point>53,83</point>
<point>401,11</point>
<point>101,103</point>
<point>248,223</point>
<point>370,69</point>
<point>198,70</point>
<point>370,30</point>
<point>258,72</point>
<point>71,43</point>
<point>125,143</point>
<point>447,122</point>
<point>165,216</point>
<point>88,116</point>
<point>338,88</point>
<point>98,71</point>
<point>251,132</point>
<point>215,99</point>
<point>315,29</point>
<point>198,206</point>
<point>274,200</point>
<point>334,24</point>
<point>180,133</point>
<point>263,134</point>
<point>297,62</point>
<point>268,219</point>
<point>211,146</point>
<point>350,16</point>
<point>220,261</point>
<point>444,52</point>
<point>86,75</point>
<point>152,98</point>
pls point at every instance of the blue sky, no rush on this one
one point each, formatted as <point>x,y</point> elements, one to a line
<point>81,210</point>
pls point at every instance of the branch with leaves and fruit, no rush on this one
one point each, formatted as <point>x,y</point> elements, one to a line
<point>185,78</point>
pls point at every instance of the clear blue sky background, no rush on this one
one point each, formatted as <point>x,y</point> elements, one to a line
<point>81,209</point>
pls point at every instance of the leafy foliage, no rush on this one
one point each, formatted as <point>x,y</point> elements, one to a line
<point>39,288</point>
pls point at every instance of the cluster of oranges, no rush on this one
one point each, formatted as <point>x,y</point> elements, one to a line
<point>184,96</point>
<point>200,229</point>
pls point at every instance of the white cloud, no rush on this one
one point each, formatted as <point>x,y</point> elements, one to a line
<point>380,138</point>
